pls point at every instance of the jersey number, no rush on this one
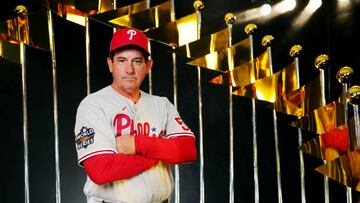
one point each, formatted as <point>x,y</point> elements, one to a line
<point>181,123</point>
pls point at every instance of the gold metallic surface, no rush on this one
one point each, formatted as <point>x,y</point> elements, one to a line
<point>321,61</point>
<point>70,12</point>
<point>107,15</point>
<point>198,5</point>
<point>214,42</point>
<point>245,73</point>
<point>230,18</point>
<point>219,60</point>
<point>221,79</point>
<point>314,147</point>
<point>322,119</point>
<point>241,75</point>
<point>301,101</point>
<point>10,51</point>
<point>267,40</point>
<point>273,86</point>
<point>345,74</point>
<point>66,8</point>
<point>345,170</point>
<point>214,60</point>
<point>132,8</point>
<point>145,20</point>
<point>21,9</point>
<point>353,95</point>
<point>328,146</point>
<point>295,50</point>
<point>105,5</point>
<point>17,29</point>
<point>250,28</point>
<point>177,33</point>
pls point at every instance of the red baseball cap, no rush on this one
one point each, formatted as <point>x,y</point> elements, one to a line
<point>129,36</point>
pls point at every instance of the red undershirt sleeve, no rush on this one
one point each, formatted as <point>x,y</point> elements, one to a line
<point>175,150</point>
<point>104,168</point>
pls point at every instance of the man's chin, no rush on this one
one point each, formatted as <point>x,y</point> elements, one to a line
<point>131,88</point>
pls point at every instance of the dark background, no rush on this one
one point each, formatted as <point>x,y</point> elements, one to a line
<point>328,31</point>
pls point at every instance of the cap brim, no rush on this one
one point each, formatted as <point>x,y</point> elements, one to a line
<point>145,52</point>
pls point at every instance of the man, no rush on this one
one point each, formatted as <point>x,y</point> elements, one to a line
<point>127,139</point>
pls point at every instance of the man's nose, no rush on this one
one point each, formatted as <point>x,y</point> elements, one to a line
<point>129,67</point>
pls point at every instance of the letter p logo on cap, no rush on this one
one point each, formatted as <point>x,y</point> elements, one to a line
<point>131,33</point>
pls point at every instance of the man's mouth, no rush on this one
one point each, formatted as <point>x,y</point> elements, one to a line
<point>129,78</point>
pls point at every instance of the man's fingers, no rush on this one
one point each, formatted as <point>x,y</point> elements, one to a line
<point>125,144</point>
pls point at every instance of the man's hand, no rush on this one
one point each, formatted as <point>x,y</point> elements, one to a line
<point>125,144</point>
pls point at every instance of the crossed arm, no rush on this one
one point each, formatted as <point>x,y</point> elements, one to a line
<point>137,154</point>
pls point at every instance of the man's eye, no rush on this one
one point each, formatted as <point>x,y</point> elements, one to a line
<point>122,60</point>
<point>138,62</point>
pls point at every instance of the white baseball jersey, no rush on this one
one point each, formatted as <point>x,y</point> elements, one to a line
<point>105,114</point>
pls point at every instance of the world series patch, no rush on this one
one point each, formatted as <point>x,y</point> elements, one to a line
<point>84,138</point>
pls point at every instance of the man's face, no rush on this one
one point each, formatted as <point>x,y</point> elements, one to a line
<point>128,69</point>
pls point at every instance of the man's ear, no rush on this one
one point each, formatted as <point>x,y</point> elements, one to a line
<point>110,63</point>
<point>149,65</point>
